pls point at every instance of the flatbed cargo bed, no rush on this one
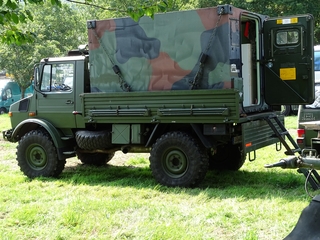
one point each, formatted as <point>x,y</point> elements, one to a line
<point>183,106</point>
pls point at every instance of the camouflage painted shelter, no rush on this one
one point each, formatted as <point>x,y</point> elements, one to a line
<point>173,51</point>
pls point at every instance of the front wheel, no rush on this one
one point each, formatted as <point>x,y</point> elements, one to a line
<point>37,155</point>
<point>177,160</point>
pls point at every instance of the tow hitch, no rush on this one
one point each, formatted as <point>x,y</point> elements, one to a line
<point>309,160</point>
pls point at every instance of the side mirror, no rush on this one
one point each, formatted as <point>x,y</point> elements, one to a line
<point>36,76</point>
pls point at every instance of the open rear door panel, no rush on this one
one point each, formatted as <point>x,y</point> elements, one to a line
<point>288,55</point>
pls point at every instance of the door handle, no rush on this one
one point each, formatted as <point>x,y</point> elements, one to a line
<point>69,102</point>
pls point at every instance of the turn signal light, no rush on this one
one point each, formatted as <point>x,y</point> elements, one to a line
<point>300,132</point>
<point>10,114</point>
<point>32,114</point>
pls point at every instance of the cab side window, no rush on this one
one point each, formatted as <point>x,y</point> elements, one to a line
<point>57,77</point>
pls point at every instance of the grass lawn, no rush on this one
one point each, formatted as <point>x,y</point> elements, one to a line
<point>123,201</point>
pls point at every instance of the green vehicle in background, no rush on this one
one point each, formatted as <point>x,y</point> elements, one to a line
<point>310,112</point>
<point>196,89</point>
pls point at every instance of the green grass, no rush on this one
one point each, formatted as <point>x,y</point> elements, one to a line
<point>122,201</point>
<point>291,122</point>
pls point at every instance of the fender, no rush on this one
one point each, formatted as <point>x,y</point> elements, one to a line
<point>30,124</point>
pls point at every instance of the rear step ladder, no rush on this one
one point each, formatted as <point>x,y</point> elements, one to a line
<point>284,132</point>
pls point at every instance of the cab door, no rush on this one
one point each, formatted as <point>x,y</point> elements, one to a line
<point>288,60</point>
<point>55,100</point>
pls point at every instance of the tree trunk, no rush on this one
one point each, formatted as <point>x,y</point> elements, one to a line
<point>22,92</point>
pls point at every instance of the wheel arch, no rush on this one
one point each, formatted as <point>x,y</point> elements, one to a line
<point>192,128</point>
<point>31,124</point>
<point>204,140</point>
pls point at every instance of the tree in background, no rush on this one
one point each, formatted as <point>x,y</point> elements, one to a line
<point>14,12</point>
<point>56,29</point>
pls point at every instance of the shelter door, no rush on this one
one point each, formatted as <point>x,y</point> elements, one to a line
<point>288,60</point>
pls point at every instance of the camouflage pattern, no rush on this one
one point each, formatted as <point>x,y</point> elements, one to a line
<point>164,53</point>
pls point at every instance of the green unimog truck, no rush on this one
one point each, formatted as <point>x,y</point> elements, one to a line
<point>196,89</point>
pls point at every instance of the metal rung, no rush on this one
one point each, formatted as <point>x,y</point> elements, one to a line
<point>280,135</point>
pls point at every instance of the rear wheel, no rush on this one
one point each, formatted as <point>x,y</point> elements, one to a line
<point>227,157</point>
<point>96,159</point>
<point>37,155</point>
<point>285,110</point>
<point>177,160</point>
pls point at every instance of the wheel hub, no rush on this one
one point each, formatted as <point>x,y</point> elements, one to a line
<point>37,157</point>
<point>175,163</point>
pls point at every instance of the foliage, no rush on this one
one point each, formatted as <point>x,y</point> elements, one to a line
<point>56,31</point>
<point>14,12</point>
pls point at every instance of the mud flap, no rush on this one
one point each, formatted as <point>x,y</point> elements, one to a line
<point>308,225</point>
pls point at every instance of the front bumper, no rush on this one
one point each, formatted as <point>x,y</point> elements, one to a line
<point>7,135</point>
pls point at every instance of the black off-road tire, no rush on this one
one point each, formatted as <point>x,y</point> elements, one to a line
<point>227,157</point>
<point>90,140</point>
<point>285,110</point>
<point>177,160</point>
<point>37,155</point>
<point>96,159</point>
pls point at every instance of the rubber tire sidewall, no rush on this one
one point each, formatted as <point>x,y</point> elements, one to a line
<point>95,159</point>
<point>227,157</point>
<point>33,140</point>
<point>197,161</point>
<point>286,111</point>
<point>91,140</point>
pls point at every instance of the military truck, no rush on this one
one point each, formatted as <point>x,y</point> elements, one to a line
<point>310,112</point>
<point>196,89</point>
